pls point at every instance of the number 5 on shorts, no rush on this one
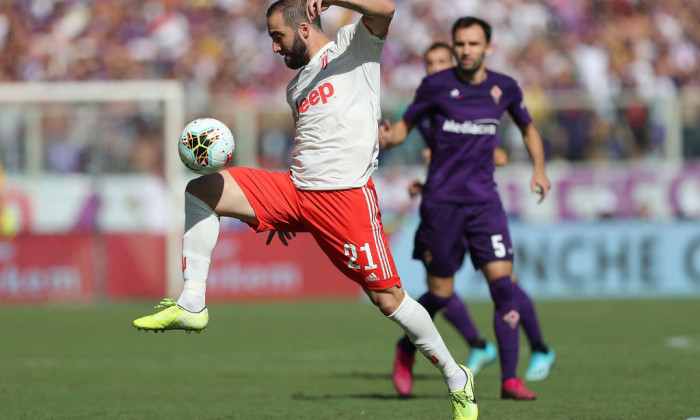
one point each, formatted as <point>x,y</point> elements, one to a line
<point>499,250</point>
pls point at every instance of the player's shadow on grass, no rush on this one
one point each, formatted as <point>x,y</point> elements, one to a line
<point>372,376</point>
<point>376,396</point>
<point>377,376</point>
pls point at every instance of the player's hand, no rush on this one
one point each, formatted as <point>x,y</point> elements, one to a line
<point>427,154</point>
<point>415,187</point>
<point>540,185</point>
<point>314,8</point>
<point>385,135</point>
<point>285,237</point>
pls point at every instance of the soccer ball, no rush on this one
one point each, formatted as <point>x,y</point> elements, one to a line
<point>206,146</point>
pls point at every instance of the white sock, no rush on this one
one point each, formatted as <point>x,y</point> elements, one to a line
<point>419,327</point>
<point>458,380</point>
<point>193,302</point>
<point>201,234</point>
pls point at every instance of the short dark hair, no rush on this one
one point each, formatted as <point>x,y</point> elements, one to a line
<point>293,12</point>
<point>436,46</point>
<point>467,21</point>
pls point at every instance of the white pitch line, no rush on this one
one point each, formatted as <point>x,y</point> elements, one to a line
<point>683,342</point>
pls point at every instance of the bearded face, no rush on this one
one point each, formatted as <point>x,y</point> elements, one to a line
<point>470,48</point>
<point>297,55</point>
<point>472,63</point>
<point>287,41</point>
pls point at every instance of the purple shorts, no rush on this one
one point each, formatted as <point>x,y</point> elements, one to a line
<point>448,230</point>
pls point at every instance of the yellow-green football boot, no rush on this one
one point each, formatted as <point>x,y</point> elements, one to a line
<point>173,317</point>
<point>464,400</point>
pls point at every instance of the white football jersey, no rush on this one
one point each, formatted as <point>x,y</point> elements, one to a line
<point>335,103</point>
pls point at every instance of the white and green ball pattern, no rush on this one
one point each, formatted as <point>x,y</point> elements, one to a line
<point>206,146</point>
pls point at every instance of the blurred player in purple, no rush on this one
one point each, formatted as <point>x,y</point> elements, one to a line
<point>461,208</point>
<point>436,58</point>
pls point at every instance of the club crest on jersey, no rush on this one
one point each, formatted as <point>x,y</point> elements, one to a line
<point>454,93</point>
<point>496,94</point>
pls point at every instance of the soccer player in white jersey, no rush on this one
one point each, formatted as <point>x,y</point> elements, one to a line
<point>328,191</point>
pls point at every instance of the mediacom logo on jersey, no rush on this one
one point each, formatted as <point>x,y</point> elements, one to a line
<point>468,127</point>
<point>320,94</point>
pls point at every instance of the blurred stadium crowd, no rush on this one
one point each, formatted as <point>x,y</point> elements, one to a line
<point>222,45</point>
<point>220,50</point>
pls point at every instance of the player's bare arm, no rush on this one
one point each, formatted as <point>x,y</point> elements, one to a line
<point>533,142</point>
<point>391,135</point>
<point>500,157</point>
<point>376,14</point>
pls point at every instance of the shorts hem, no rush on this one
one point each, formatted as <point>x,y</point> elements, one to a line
<point>382,284</point>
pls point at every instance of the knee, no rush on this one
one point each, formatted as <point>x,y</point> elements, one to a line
<point>388,306</point>
<point>208,188</point>
<point>441,286</point>
<point>497,269</point>
<point>387,301</point>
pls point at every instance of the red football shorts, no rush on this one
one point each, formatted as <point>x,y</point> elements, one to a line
<point>347,224</point>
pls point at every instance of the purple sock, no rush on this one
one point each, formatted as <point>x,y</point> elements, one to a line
<point>528,317</point>
<point>432,303</point>
<point>456,312</point>
<point>505,324</point>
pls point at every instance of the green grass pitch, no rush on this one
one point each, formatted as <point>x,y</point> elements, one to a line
<point>616,360</point>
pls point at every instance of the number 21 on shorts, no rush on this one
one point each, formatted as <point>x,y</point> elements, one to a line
<point>351,251</point>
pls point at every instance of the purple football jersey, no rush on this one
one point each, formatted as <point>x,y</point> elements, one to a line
<point>464,122</point>
<point>426,130</point>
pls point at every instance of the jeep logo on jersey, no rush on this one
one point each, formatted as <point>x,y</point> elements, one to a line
<point>320,94</point>
<point>468,127</point>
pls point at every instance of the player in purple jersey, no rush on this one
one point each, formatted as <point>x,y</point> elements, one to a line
<point>439,57</point>
<point>436,58</point>
<point>460,200</point>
